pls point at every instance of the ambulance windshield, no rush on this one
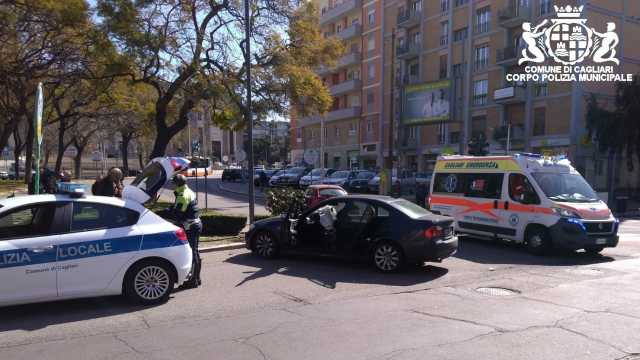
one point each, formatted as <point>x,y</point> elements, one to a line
<point>565,187</point>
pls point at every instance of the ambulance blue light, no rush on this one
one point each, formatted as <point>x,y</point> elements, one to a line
<point>72,189</point>
<point>577,222</point>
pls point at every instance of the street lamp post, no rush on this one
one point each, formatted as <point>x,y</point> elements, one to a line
<point>248,110</point>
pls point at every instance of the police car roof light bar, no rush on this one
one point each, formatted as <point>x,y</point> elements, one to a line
<point>72,189</point>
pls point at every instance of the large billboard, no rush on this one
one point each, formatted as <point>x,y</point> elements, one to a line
<point>426,103</point>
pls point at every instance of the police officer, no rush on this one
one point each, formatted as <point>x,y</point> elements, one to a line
<point>186,213</point>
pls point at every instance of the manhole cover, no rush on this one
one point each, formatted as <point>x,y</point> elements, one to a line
<point>585,271</point>
<point>497,291</point>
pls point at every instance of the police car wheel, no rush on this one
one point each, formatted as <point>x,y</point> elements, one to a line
<point>265,245</point>
<point>387,257</point>
<point>538,242</point>
<point>149,283</point>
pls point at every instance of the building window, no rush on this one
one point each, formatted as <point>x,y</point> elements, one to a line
<point>460,2</point>
<point>370,98</point>
<point>353,75</point>
<point>460,34</point>
<point>458,70</point>
<point>337,131</point>
<point>414,69</point>
<point>454,137</point>
<point>352,129</point>
<point>443,66</point>
<point>416,6</point>
<point>355,100</point>
<point>413,132</point>
<point>444,33</point>
<point>545,6</point>
<point>444,5</point>
<point>482,57</point>
<point>371,17</point>
<point>539,118</point>
<point>371,70</point>
<point>371,42</point>
<point>313,134</point>
<point>369,126</point>
<point>325,132</point>
<point>478,126</point>
<point>480,91</point>
<point>541,89</point>
<point>415,38</point>
<point>483,18</point>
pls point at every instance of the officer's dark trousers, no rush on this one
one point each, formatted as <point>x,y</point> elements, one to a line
<point>193,235</point>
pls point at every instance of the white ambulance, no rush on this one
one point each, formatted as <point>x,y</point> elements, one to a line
<point>542,202</point>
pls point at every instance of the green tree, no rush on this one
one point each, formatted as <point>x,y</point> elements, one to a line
<point>187,50</point>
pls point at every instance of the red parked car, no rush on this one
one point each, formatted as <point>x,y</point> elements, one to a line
<point>317,193</point>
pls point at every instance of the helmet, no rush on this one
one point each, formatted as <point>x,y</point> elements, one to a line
<point>179,180</point>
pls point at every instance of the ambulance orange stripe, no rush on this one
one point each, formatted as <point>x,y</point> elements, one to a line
<point>486,207</point>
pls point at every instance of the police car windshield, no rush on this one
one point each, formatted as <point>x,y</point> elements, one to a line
<point>565,187</point>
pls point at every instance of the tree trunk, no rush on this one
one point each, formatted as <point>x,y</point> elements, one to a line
<point>126,139</point>
<point>77,161</point>
<point>61,145</point>
<point>140,157</point>
<point>28,162</point>
<point>165,133</point>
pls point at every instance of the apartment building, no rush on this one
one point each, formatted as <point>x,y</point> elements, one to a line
<point>442,79</point>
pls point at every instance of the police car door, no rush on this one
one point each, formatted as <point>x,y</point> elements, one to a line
<point>28,241</point>
<point>102,239</point>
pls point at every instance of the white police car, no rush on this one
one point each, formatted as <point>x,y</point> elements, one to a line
<point>63,246</point>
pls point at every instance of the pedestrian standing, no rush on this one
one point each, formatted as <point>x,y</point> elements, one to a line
<point>110,185</point>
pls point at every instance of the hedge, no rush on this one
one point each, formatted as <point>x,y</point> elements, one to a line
<point>214,223</point>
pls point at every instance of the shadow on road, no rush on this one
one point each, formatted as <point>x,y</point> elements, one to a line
<point>328,272</point>
<point>496,252</point>
<point>38,316</point>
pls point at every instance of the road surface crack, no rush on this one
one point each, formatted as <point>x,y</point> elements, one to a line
<point>494,328</point>
<point>125,343</point>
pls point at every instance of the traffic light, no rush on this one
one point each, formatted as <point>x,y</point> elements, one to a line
<point>478,145</point>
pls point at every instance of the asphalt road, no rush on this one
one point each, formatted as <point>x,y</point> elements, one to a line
<point>567,306</point>
<point>217,199</point>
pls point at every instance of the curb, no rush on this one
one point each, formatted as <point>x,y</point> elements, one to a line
<point>231,246</point>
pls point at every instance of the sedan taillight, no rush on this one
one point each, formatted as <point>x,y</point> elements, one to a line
<point>433,232</point>
<point>182,235</point>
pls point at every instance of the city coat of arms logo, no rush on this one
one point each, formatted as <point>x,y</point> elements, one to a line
<point>568,41</point>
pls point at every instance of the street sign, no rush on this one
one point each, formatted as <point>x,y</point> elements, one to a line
<point>37,124</point>
<point>96,156</point>
<point>241,155</point>
<point>71,151</point>
<point>311,156</point>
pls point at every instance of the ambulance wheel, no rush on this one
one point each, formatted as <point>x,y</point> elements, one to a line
<point>264,244</point>
<point>538,241</point>
<point>149,282</point>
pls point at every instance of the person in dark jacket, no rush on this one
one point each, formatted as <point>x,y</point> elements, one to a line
<point>110,185</point>
<point>185,212</point>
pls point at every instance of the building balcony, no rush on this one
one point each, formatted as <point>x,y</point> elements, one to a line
<point>409,18</point>
<point>408,50</point>
<point>509,95</point>
<point>515,134</point>
<point>339,10</point>
<point>350,32</point>
<point>346,86</point>
<point>345,113</point>
<point>507,56</point>
<point>409,144</point>
<point>513,16</point>
<point>349,59</point>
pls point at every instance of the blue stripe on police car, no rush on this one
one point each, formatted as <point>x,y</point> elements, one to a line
<point>85,249</point>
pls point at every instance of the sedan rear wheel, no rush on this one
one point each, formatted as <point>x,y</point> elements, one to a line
<point>148,283</point>
<point>265,245</point>
<point>387,257</point>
